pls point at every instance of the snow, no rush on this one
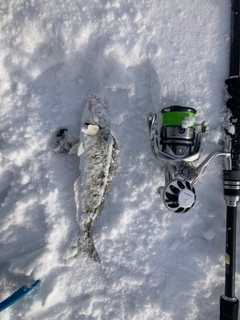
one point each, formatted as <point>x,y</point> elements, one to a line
<point>142,55</point>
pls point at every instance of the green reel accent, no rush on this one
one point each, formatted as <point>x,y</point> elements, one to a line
<point>174,115</point>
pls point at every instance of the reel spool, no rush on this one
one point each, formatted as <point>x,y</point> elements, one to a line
<point>177,138</point>
<point>174,138</point>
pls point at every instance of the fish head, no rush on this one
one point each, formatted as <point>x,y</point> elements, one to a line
<point>96,112</point>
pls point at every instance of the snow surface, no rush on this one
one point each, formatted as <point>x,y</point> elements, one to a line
<point>142,55</point>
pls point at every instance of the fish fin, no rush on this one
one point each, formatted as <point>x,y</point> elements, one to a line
<point>115,158</point>
<point>74,149</point>
<point>80,149</point>
<point>62,143</point>
<point>85,245</point>
<point>113,165</point>
<point>77,193</point>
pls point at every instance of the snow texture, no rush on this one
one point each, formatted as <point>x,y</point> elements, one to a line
<point>142,55</point>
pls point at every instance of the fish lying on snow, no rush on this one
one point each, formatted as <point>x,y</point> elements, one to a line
<point>98,152</point>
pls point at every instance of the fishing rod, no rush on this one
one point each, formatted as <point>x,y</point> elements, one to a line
<point>177,141</point>
<point>231,175</point>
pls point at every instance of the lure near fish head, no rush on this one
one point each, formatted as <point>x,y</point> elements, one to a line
<point>96,114</point>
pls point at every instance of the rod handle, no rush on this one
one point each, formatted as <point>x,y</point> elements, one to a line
<point>233,104</point>
<point>228,309</point>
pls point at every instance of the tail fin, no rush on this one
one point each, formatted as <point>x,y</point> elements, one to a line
<point>86,245</point>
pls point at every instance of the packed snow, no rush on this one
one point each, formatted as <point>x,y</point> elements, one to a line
<point>142,55</point>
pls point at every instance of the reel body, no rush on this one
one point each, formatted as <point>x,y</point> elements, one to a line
<point>178,141</point>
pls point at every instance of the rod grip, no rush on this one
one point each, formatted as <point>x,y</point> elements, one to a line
<point>233,104</point>
<point>228,309</point>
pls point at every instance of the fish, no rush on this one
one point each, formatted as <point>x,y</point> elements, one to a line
<point>98,154</point>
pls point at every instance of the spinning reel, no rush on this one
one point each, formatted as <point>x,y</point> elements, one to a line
<point>178,141</point>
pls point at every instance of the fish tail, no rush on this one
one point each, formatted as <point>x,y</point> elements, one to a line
<point>86,245</point>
